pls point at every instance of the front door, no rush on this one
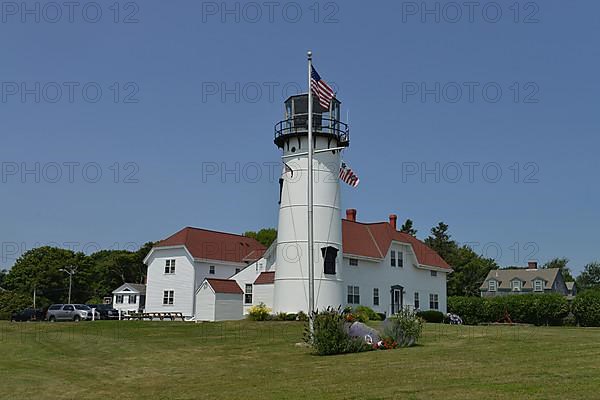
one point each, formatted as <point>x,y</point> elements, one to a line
<point>397,300</point>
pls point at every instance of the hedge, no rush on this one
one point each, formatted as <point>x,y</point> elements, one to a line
<point>586,308</point>
<point>432,316</point>
<point>537,309</point>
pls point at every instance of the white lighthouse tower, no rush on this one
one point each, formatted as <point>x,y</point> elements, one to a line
<point>330,136</point>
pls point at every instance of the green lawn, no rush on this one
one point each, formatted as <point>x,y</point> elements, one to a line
<point>259,360</point>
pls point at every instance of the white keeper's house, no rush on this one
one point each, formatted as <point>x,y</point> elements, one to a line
<point>213,276</point>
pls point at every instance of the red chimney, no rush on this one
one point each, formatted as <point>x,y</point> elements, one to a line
<point>351,214</point>
<point>532,265</point>
<point>393,219</point>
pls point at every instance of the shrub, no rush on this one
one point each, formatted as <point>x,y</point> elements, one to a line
<point>302,316</point>
<point>569,320</point>
<point>282,316</point>
<point>367,312</point>
<point>290,317</point>
<point>259,312</point>
<point>431,316</point>
<point>405,328</point>
<point>331,335</point>
<point>470,309</point>
<point>586,308</point>
<point>538,309</point>
<point>381,316</point>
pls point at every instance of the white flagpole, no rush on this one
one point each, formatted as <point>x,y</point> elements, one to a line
<point>311,265</point>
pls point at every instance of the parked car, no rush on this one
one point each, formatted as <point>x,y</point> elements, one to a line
<point>28,314</point>
<point>69,312</point>
<point>106,311</point>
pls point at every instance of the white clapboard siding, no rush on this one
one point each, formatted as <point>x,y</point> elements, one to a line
<point>205,303</point>
<point>228,307</point>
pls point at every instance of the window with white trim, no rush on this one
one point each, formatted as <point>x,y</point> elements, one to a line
<point>393,258</point>
<point>170,266</point>
<point>119,299</point>
<point>434,301</point>
<point>353,262</point>
<point>400,259</point>
<point>168,297</point>
<point>492,286</point>
<point>376,296</point>
<point>353,295</point>
<point>538,286</point>
<point>516,285</point>
<point>132,299</point>
<point>211,270</point>
<point>248,294</point>
<point>417,303</point>
<point>433,273</point>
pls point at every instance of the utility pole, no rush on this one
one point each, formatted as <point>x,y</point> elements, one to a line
<point>71,270</point>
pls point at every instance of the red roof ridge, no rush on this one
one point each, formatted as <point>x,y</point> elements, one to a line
<point>221,279</point>
<point>221,232</point>
<point>374,241</point>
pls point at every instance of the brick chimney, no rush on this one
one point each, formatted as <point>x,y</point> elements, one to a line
<point>532,265</point>
<point>351,214</point>
<point>393,220</point>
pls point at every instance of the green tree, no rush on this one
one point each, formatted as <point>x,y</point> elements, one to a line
<point>40,268</point>
<point>3,273</point>
<point>407,227</point>
<point>112,268</point>
<point>590,277</point>
<point>561,263</point>
<point>265,236</point>
<point>470,269</point>
<point>440,241</point>
<point>12,302</point>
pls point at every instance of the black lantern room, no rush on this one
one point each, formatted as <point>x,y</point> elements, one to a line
<point>326,122</point>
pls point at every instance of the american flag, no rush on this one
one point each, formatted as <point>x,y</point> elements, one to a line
<point>321,89</point>
<point>348,176</point>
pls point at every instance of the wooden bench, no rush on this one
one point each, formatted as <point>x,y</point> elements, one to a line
<point>162,316</point>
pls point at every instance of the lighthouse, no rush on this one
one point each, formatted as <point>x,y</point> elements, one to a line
<point>330,136</point>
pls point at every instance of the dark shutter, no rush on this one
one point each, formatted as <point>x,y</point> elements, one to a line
<point>329,257</point>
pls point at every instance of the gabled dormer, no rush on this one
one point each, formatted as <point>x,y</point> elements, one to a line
<point>516,284</point>
<point>493,285</point>
<point>538,284</point>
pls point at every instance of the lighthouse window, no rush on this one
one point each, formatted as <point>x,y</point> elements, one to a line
<point>329,256</point>
<point>393,259</point>
<point>354,262</point>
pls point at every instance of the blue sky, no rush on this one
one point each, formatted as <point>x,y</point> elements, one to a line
<point>151,104</point>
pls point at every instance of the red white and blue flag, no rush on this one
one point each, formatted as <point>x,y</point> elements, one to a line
<point>348,176</point>
<point>321,89</point>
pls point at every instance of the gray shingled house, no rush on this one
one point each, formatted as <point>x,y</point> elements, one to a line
<point>502,282</point>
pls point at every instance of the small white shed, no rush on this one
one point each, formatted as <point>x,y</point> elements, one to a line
<point>219,300</point>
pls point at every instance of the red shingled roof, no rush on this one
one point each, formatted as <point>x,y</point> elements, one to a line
<point>225,286</point>
<point>212,245</point>
<point>265,278</point>
<point>374,240</point>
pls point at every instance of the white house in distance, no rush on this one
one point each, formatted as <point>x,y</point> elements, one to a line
<point>212,275</point>
<point>129,297</point>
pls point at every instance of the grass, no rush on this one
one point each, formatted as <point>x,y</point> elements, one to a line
<point>252,360</point>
